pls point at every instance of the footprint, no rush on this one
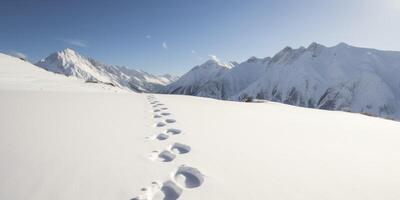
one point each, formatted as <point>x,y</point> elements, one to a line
<point>160,124</point>
<point>170,190</point>
<point>166,156</point>
<point>179,148</point>
<point>159,136</point>
<point>165,191</point>
<point>188,177</point>
<point>156,110</point>
<point>170,121</point>
<point>164,108</point>
<point>154,102</point>
<point>157,116</point>
<point>165,114</point>
<point>154,192</point>
<point>174,131</point>
<point>162,136</point>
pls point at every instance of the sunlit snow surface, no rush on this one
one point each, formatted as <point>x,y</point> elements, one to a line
<point>61,138</point>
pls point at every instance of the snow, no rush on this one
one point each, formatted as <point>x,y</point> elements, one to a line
<point>341,77</point>
<point>61,138</point>
<point>199,75</point>
<point>364,83</point>
<point>19,75</point>
<point>71,63</point>
<point>234,80</point>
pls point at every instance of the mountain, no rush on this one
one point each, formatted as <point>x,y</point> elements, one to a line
<point>62,139</point>
<point>71,63</point>
<point>341,77</point>
<point>235,79</point>
<point>191,83</point>
<point>168,78</point>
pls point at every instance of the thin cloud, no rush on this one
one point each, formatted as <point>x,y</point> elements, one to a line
<point>164,45</point>
<point>194,52</point>
<point>75,42</point>
<point>19,55</point>
<point>148,37</point>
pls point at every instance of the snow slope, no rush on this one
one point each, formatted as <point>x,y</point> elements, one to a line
<point>337,78</point>
<point>341,77</point>
<point>71,63</point>
<point>61,139</point>
<point>234,80</point>
<point>192,82</point>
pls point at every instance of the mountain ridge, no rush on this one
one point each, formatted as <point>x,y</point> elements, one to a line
<point>71,63</point>
<point>341,77</point>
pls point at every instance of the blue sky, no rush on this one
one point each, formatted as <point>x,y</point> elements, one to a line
<point>172,36</point>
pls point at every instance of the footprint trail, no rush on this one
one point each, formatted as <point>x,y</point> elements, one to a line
<point>184,177</point>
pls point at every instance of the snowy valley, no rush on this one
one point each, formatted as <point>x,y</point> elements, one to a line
<point>200,100</point>
<point>341,77</point>
<point>62,138</point>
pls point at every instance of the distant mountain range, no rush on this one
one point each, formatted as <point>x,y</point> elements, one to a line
<point>341,77</point>
<point>71,63</point>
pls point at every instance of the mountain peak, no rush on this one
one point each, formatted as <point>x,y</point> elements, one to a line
<point>214,58</point>
<point>253,59</point>
<point>342,44</point>
<point>62,56</point>
<point>287,49</point>
<point>314,46</point>
<point>285,52</point>
<point>214,61</point>
<point>71,63</point>
<point>68,51</point>
<point>211,62</point>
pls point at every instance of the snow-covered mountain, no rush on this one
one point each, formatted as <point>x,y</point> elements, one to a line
<point>341,77</point>
<point>235,79</point>
<point>71,63</point>
<point>192,82</point>
<point>63,139</point>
